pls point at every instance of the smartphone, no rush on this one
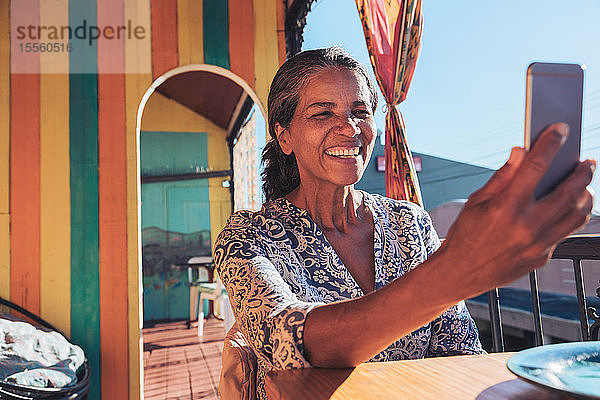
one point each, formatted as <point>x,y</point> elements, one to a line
<point>555,94</point>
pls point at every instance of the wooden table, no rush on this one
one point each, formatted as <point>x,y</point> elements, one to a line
<point>483,377</point>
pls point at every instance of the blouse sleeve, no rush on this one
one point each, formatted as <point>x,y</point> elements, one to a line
<point>454,332</point>
<point>269,315</point>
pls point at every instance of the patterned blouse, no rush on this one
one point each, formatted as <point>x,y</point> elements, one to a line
<point>277,265</point>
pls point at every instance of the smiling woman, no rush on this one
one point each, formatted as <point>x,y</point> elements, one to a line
<point>281,174</point>
<point>330,276</point>
<point>333,130</point>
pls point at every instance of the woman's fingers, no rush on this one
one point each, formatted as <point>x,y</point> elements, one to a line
<point>568,195</point>
<point>538,160</point>
<point>570,222</point>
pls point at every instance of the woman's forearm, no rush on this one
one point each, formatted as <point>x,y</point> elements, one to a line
<point>347,333</point>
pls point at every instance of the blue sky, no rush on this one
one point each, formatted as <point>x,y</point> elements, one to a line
<point>466,100</point>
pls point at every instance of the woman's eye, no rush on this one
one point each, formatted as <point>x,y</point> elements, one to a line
<point>362,113</point>
<point>322,115</point>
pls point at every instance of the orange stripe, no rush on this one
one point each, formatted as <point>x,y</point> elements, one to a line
<point>241,39</point>
<point>163,14</point>
<point>112,208</point>
<point>281,32</point>
<point>25,190</point>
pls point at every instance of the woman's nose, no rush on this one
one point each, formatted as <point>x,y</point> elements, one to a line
<point>348,127</point>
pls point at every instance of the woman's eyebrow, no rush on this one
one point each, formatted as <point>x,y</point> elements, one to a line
<point>321,104</point>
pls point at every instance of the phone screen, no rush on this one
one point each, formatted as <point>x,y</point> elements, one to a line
<point>555,94</point>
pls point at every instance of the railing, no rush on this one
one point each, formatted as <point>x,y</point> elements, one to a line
<point>575,248</point>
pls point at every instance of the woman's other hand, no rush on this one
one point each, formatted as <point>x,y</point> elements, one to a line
<point>503,232</point>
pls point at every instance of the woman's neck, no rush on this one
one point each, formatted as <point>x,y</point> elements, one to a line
<point>334,208</point>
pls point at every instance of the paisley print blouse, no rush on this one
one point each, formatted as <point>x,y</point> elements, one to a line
<point>277,265</point>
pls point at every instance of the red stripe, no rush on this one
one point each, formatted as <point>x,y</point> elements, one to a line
<point>25,190</point>
<point>163,14</point>
<point>112,207</point>
<point>241,39</point>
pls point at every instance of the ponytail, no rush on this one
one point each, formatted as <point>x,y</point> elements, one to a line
<point>280,173</point>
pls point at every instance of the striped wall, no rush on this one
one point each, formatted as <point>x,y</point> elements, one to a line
<point>69,223</point>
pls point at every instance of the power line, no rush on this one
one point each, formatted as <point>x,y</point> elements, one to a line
<point>445,178</point>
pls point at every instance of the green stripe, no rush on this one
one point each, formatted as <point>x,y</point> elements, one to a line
<point>83,141</point>
<point>216,32</point>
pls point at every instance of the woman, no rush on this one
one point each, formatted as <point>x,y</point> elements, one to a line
<point>330,276</point>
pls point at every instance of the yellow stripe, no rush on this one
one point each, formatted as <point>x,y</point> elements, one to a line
<point>55,213</point>
<point>220,206</point>
<point>5,256</point>
<point>138,58</point>
<point>266,55</point>
<point>4,152</point>
<point>190,31</point>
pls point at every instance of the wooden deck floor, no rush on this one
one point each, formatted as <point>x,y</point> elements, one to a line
<point>180,365</point>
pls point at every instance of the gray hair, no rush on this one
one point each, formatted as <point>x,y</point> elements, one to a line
<point>280,174</point>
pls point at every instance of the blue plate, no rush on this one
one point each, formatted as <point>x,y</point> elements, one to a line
<point>572,368</point>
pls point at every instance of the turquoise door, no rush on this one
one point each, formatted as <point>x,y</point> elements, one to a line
<point>175,221</point>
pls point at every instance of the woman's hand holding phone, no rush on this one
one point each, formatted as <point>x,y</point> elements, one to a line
<point>503,231</point>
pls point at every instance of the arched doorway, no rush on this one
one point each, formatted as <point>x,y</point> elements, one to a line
<point>200,130</point>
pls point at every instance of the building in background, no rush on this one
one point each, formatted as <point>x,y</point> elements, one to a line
<point>445,186</point>
<point>441,180</point>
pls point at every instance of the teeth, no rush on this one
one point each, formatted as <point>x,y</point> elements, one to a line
<point>353,152</point>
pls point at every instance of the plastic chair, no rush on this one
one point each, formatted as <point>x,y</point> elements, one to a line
<point>216,293</point>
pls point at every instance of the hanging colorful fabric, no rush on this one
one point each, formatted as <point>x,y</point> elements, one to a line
<point>393,34</point>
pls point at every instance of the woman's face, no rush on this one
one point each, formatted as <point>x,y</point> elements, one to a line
<point>333,129</point>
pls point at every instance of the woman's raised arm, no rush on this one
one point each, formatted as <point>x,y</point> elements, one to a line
<point>501,234</point>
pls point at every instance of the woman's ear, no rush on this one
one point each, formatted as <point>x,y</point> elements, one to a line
<point>283,137</point>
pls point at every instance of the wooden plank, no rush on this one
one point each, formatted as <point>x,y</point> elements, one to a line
<point>112,208</point>
<point>5,256</point>
<point>136,84</point>
<point>25,172</point>
<point>83,155</point>
<point>55,212</point>
<point>112,187</point>
<point>4,113</point>
<point>216,35</point>
<point>25,191</point>
<point>191,31</point>
<point>164,36</point>
<point>220,206</point>
<point>4,153</point>
<point>266,54</point>
<point>138,57</point>
<point>241,39</point>
<point>83,143</point>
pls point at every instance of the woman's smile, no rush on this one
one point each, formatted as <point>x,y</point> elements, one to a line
<point>344,152</point>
